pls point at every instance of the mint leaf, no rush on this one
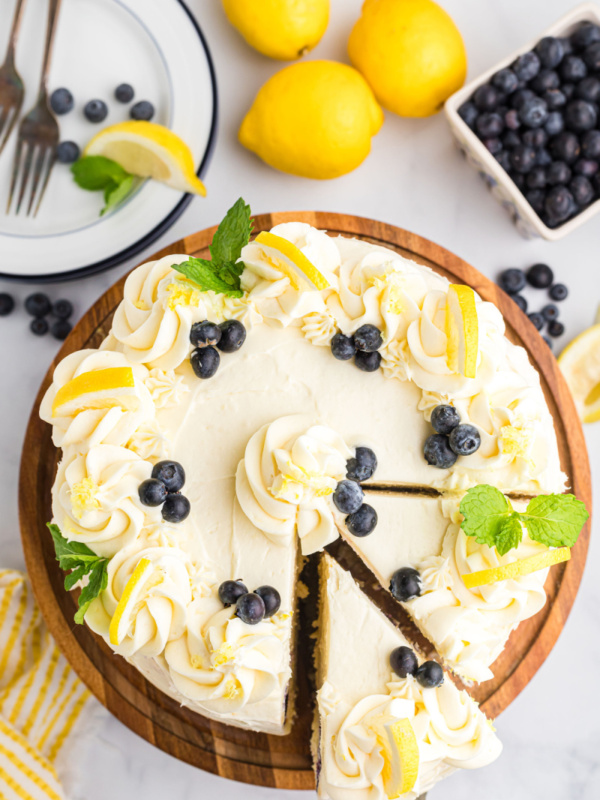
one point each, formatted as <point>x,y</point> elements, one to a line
<point>115,193</point>
<point>95,173</point>
<point>232,234</point>
<point>485,510</point>
<point>205,274</point>
<point>78,557</point>
<point>509,534</point>
<point>555,520</point>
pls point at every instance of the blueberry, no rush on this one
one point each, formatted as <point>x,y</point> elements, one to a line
<point>523,158</point>
<point>534,112</point>
<point>61,329</point>
<point>535,137</point>
<point>38,304</point>
<point>567,46</point>
<point>61,101</point>
<point>590,145</point>
<point>430,675</point>
<point>205,362</point>
<point>586,167</point>
<point>437,451</point>
<point>545,80</point>
<point>527,66</point>
<point>465,440</point>
<point>580,115</point>
<point>536,179</point>
<point>556,328</point>
<point>518,179</point>
<point>231,591</point>
<point>62,309</point>
<point>559,201</point>
<point>520,301</point>
<point>444,418</point>
<point>550,51</point>
<point>494,145</point>
<point>67,152</point>
<point>555,123</point>
<point>511,280</point>
<point>543,157</point>
<point>363,521</point>
<point>233,336</point>
<point>535,198</point>
<point>143,110</point>
<point>511,119</point>
<point>540,276</point>
<point>558,292</point>
<point>468,112</point>
<point>362,466</point>
<point>124,93</point>
<point>521,96</point>
<point>171,474</point>
<point>548,341</point>
<point>405,584</point>
<point>367,362</point>
<point>596,182</point>
<point>250,608</point>
<point>511,139</point>
<point>205,333</point>
<point>587,33</point>
<point>342,347</point>
<point>555,98</point>
<point>271,598</point>
<point>588,89</point>
<point>348,497</point>
<point>489,124</point>
<point>537,320</point>
<point>506,81</point>
<point>568,89</point>
<point>558,173</point>
<point>368,338</point>
<point>550,312</point>
<point>152,492</point>
<point>565,147</point>
<point>591,56</point>
<point>582,190</point>
<point>176,508</point>
<point>39,326</point>
<point>503,158</point>
<point>96,110</point>
<point>7,303</point>
<point>486,97</point>
<point>403,661</point>
<point>573,69</point>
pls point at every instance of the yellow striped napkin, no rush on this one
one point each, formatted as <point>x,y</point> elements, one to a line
<point>41,698</point>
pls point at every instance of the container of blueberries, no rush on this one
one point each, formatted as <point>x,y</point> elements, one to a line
<point>531,127</point>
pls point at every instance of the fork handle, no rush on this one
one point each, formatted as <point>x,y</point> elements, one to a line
<point>14,32</point>
<point>53,9</point>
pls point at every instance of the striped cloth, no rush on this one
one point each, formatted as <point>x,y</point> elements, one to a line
<point>41,698</point>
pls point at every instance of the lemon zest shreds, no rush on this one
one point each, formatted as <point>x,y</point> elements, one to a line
<point>516,441</point>
<point>232,689</point>
<point>223,655</point>
<point>138,577</point>
<point>83,497</point>
<point>183,296</point>
<point>299,261</point>
<point>462,330</point>
<point>516,569</point>
<point>400,753</point>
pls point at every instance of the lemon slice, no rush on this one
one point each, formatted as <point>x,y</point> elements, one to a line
<point>148,150</point>
<point>101,388</point>
<point>516,569</point>
<point>139,577</point>
<point>580,364</point>
<point>462,330</point>
<point>293,263</point>
<point>400,753</point>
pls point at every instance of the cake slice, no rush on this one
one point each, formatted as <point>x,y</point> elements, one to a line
<point>379,735</point>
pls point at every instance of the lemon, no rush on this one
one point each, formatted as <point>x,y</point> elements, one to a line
<point>129,598</point>
<point>289,259</point>
<point>148,150</point>
<point>516,569</point>
<point>283,29</point>
<point>580,364</point>
<point>400,753</point>
<point>410,52</point>
<point>101,388</point>
<point>314,119</point>
<point>462,330</point>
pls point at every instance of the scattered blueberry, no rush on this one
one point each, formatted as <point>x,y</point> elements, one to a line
<point>348,497</point>
<point>520,301</point>
<point>464,440</point>
<point>430,675</point>
<point>205,362</point>
<point>437,451</point>
<point>143,110</point>
<point>61,329</point>
<point>403,661</point>
<point>540,276</point>
<point>61,101</point>
<point>39,326</point>
<point>550,312</point>
<point>368,338</point>
<point>7,303</point>
<point>152,492</point>
<point>250,608</point>
<point>537,320</point>
<point>124,93</point>
<point>271,598</point>
<point>444,419</point>
<point>363,521</point>
<point>38,304</point>
<point>405,584</point>
<point>527,66</point>
<point>233,336</point>
<point>368,362</point>
<point>67,152</point>
<point>171,474</point>
<point>556,328</point>
<point>362,466</point>
<point>558,292</point>
<point>550,51</point>
<point>62,309</point>
<point>176,508</point>
<point>231,591</point>
<point>342,347</point>
<point>96,110</point>
<point>511,280</point>
<point>205,333</point>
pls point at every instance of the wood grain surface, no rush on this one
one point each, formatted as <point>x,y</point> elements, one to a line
<point>285,762</point>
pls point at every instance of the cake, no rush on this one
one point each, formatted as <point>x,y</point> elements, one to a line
<point>221,434</point>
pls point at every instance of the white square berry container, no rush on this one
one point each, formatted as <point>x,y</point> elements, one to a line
<point>500,184</point>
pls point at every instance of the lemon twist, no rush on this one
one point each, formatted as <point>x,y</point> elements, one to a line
<point>131,592</point>
<point>516,569</point>
<point>101,388</point>
<point>462,330</point>
<point>293,263</point>
<point>400,753</point>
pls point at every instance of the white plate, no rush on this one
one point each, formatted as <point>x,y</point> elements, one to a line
<point>159,49</point>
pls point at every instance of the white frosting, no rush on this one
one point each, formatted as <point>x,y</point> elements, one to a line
<point>285,481</point>
<point>166,387</point>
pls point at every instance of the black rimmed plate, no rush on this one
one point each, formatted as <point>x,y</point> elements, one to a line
<point>159,49</point>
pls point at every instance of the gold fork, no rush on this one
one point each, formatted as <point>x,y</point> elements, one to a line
<point>11,85</point>
<point>38,133</point>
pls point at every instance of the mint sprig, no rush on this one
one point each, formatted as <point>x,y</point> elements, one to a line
<point>555,520</point>
<point>78,558</point>
<point>222,273</point>
<point>100,174</point>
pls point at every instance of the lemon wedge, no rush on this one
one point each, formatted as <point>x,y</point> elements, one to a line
<point>101,388</point>
<point>516,569</point>
<point>462,330</point>
<point>580,364</point>
<point>148,150</point>
<point>400,753</point>
<point>293,263</point>
<point>139,577</point>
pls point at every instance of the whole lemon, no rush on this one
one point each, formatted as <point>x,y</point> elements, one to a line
<point>314,119</point>
<point>410,52</point>
<point>283,29</point>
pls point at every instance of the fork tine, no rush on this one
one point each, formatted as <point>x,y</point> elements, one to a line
<point>37,172</point>
<point>15,172</point>
<point>51,162</point>
<point>27,161</point>
<point>7,124</point>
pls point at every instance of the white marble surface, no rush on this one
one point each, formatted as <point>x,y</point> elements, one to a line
<point>413,178</point>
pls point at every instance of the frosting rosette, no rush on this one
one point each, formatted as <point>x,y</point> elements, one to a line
<point>225,664</point>
<point>83,428</point>
<point>157,610</point>
<point>285,481</point>
<point>166,387</point>
<point>95,498</point>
